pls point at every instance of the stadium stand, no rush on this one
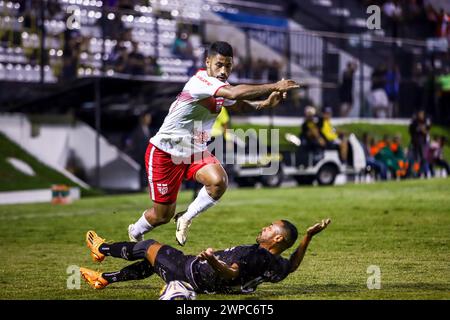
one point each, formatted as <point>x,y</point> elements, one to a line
<point>88,39</point>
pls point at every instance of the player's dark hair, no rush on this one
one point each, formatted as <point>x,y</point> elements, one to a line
<point>222,48</point>
<point>291,233</point>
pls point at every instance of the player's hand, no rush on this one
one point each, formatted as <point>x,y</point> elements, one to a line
<point>318,227</point>
<point>274,99</point>
<point>286,85</point>
<point>207,255</point>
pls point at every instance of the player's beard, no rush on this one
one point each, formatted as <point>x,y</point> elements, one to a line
<point>258,238</point>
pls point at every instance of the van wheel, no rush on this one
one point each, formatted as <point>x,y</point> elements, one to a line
<point>274,180</point>
<point>326,175</point>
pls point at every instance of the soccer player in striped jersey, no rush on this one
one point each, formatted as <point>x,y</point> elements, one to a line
<point>179,149</point>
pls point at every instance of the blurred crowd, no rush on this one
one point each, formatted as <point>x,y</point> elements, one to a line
<point>413,18</point>
<point>386,157</point>
<point>74,55</point>
<point>424,154</point>
<point>126,56</point>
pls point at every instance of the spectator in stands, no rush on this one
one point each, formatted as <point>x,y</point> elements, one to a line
<point>310,135</point>
<point>136,144</point>
<point>182,47</point>
<point>346,89</point>
<point>419,130</point>
<point>411,18</point>
<point>378,99</point>
<point>111,28</point>
<point>71,56</point>
<point>259,69</point>
<point>53,8</point>
<point>418,87</point>
<point>443,24</point>
<point>378,77</point>
<point>151,67</point>
<point>120,62</point>
<point>273,71</point>
<point>393,11</point>
<point>126,4</point>
<point>436,155</point>
<point>136,61</point>
<point>443,93</point>
<point>242,67</point>
<point>392,88</point>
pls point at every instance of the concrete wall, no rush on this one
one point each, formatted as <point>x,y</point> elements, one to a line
<point>54,144</point>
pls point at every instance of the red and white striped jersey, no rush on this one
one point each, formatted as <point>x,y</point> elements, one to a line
<point>187,127</point>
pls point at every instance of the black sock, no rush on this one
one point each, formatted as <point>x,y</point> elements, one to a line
<point>122,250</point>
<point>126,250</point>
<point>136,271</point>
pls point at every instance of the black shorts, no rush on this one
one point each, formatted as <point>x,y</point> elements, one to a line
<point>172,264</point>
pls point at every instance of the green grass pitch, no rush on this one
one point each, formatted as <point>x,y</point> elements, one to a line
<point>402,227</point>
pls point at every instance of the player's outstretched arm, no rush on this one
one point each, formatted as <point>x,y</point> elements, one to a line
<point>297,256</point>
<point>247,106</point>
<point>250,92</point>
<point>224,270</point>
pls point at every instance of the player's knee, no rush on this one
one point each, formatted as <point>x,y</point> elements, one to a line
<point>162,215</point>
<point>217,187</point>
<point>140,249</point>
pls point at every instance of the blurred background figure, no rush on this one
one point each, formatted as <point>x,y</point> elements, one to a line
<point>378,167</point>
<point>182,47</point>
<point>136,61</point>
<point>378,99</point>
<point>332,139</point>
<point>137,142</point>
<point>346,90</point>
<point>443,82</point>
<point>310,135</point>
<point>392,88</point>
<point>419,131</point>
<point>436,156</point>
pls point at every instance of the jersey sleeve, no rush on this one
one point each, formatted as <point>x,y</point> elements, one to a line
<point>202,86</point>
<point>279,270</point>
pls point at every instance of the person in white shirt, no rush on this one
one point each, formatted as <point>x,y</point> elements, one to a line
<point>179,150</point>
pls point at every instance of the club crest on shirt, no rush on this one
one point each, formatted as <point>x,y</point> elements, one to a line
<point>219,104</point>
<point>162,188</point>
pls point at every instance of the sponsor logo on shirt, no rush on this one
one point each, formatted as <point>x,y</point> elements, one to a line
<point>203,80</point>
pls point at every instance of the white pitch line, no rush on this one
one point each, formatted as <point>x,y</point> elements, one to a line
<point>224,203</point>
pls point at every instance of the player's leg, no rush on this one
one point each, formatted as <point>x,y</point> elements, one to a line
<point>215,181</point>
<point>164,178</point>
<point>169,263</point>
<point>214,178</point>
<point>126,250</point>
<point>136,271</point>
<point>159,214</point>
